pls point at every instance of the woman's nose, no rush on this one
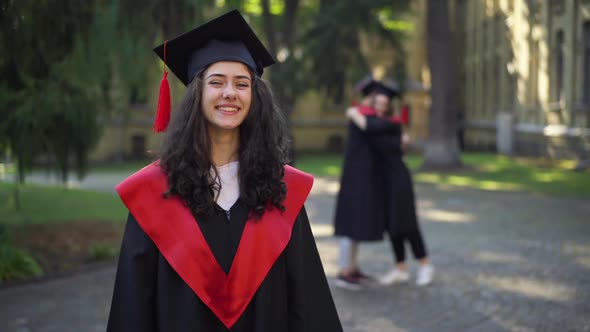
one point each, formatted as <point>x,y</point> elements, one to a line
<point>229,92</point>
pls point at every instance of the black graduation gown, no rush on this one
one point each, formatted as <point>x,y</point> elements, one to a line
<point>400,210</point>
<point>359,206</point>
<point>150,296</point>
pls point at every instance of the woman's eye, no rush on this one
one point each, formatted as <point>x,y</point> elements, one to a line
<point>216,83</point>
<point>243,85</point>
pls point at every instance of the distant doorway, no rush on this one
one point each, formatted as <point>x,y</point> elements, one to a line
<point>138,150</point>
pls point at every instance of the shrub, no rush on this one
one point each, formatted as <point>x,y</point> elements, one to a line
<point>16,264</point>
<point>101,251</point>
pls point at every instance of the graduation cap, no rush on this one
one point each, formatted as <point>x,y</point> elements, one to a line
<point>225,38</point>
<point>376,87</point>
<point>360,85</point>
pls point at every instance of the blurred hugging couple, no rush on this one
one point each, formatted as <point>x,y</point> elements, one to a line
<point>376,190</point>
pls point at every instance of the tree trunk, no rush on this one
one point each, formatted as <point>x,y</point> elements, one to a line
<point>16,195</point>
<point>269,27</point>
<point>289,27</point>
<point>279,74</point>
<point>442,148</point>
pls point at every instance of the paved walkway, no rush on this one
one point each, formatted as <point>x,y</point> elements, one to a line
<point>505,262</point>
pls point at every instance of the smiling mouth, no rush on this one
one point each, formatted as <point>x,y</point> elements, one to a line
<point>227,109</point>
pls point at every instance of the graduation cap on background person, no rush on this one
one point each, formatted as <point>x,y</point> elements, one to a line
<point>225,38</point>
<point>377,87</point>
<point>360,85</point>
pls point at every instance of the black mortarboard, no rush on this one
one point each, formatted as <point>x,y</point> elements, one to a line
<point>225,38</point>
<point>376,87</point>
<point>360,85</point>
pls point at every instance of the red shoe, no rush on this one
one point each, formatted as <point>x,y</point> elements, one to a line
<point>348,281</point>
<point>361,276</point>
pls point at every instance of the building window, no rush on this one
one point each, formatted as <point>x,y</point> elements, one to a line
<point>474,86</point>
<point>468,85</point>
<point>558,7</point>
<point>484,87</point>
<point>586,92</point>
<point>497,71</point>
<point>536,11</point>
<point>137,96</point>
<point>511,79</point>
<point>138,148</point>
<point>534,74</point>
<point>484,37</point>
<point>558,54</point>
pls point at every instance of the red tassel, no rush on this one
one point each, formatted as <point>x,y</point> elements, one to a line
<point>405,115</point>
<point>163,113</point>
<point>164,108</point>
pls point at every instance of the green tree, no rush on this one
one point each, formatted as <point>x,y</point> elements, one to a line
<point>140,25</point>
<point>279,23</point>
<point>317,43</point>
<point>40,93</point>
<point>74,66</point>
<point>333,44</point>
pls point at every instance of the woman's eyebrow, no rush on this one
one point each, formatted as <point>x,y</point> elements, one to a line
<point>224,76</point>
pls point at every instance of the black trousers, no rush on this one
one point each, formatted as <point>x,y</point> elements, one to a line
<point>416,243</point>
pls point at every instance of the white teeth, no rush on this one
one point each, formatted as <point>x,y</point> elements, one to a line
<point>228,109</point>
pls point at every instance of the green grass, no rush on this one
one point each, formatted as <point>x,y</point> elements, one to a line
<point>6,169</point>
<point>485,171</point>
<point>55,204</point>
<point>127,167</point>
<point>124,167</point>
<point>320,164</point>
<point>331,164</point>
<point>495,172</point>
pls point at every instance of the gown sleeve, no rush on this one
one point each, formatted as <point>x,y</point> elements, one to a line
<point>311,307</point>
<point>377,125</point>
<point>133,306</point>
<point>383,136</point>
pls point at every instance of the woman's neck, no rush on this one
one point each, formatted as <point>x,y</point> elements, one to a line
<point>224,146</point>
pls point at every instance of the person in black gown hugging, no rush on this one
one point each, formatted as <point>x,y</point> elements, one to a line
<point>384,135</point>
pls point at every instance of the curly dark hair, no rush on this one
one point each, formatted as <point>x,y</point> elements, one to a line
<point>185,156</point>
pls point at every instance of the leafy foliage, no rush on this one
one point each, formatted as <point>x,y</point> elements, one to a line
<point>15,264</point>
<point>74,65</point>
<point>100,251</point>
<point>333,46</point>
<point>47,96</point>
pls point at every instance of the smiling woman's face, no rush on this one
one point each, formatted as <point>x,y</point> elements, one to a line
<point>227,94</point>
<point>381,104</point>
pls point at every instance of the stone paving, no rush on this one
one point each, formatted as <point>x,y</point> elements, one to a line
<point>504,262</point>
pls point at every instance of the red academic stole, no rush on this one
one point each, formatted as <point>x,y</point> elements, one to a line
<point>172,227</point>
<point>369,111</point>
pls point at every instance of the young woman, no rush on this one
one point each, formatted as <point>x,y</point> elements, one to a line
<point>385,139</point>
<point>217,238</point>
<point>359,205</point>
